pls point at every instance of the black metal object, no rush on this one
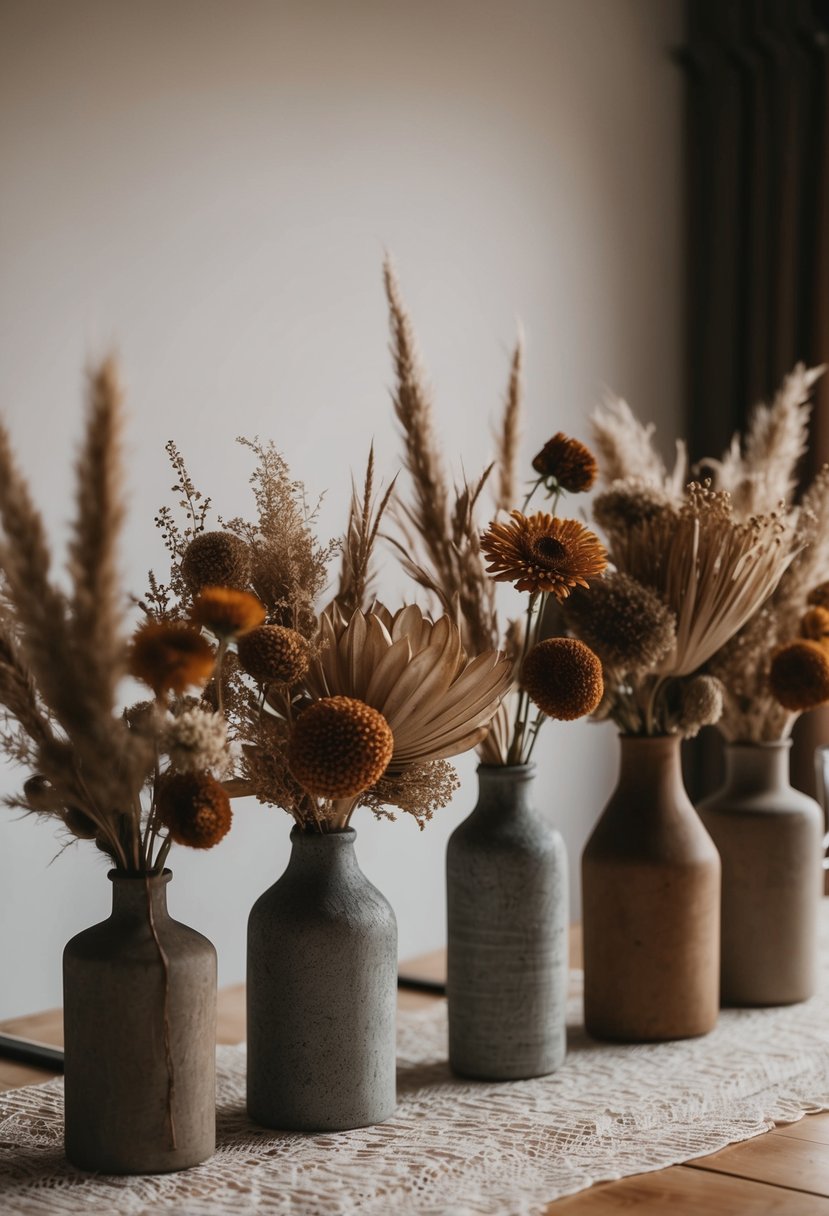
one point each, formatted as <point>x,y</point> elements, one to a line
<point>435,987</point>
<point>29,1051</point>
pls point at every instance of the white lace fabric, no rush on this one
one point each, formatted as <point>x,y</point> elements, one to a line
<point>459,1148</point>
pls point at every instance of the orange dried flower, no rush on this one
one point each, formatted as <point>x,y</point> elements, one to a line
<point>216,559</point>
<point>194,808</point>
<point>799,675</point>
<point>819,595</point>
<point>339,747</point>
<point>563,677</point>
<point>541,553</point>
<point>273,654</point>
<point>170,657</point>
<point>226,611</point>
<point>815,623</point>
<point>566,464</point>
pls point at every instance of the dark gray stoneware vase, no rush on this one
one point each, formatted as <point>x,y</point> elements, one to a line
<point>769,836</point>
<point>120,1116</point>
<point>321,993</point>
<point>507,905</point>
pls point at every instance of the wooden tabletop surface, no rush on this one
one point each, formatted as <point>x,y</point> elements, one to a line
<point>784,1173</point>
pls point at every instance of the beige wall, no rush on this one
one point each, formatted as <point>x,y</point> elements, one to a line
<point>210,184</point>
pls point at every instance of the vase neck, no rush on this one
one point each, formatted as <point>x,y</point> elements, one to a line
<point>650,765</point>
<point>322,853</point>
<point>504,790</point>
<point>134,896</point>
<point>752,767</point>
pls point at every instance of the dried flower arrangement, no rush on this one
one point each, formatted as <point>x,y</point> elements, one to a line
<point>134,780</point>
<point>694,566</point>
<point>351,706</point>
<point>444,551</point>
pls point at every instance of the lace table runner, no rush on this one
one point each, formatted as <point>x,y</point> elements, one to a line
<point>458,1148</point>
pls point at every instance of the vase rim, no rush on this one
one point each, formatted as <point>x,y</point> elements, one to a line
<point>347,834</point>
<point>761,744</point>
<point>505,770</point>
<point>142,876</point>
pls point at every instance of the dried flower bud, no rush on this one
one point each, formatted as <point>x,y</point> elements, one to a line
<point>194,808</point>
<point>196,740</point>
<point>79,823</point>
<point>226,611</point>
<point>216,559</point>
<point>339,747</point>
<point>566,464</point>
<point>799,676</point>
<point>702,705</point>
<point>40,794</point>
<point>170,657</point>
<point>563,677</point>
<point>273,654</point>
<point>815,623</point>
<point>627,624</point>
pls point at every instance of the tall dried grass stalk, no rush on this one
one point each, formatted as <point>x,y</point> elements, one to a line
<point>508,437</point>
<point>364,520</point>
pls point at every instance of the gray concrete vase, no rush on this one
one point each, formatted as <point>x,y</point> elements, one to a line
<point>140,1037</point>
<point>507,907</point>
<point>321,993</point>
<point>769,836</point>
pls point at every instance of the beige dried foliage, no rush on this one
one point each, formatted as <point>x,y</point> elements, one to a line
<point>364,519</point>
<point>626,449</point>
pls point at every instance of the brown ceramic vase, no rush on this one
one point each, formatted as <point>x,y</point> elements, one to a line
<point>140,1037</point>
<point>651,905</point>
<point>769,836</point>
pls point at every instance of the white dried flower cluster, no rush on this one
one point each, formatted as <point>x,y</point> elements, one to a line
<point>196,740</point>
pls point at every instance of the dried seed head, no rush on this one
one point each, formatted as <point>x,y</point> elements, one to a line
<point>273,654</point>
<point>216,559</point>
<point>815,623</point>
<point>194,808</point>
<point>799,676</point>
<point>339,747</point>
<point>563,677</point>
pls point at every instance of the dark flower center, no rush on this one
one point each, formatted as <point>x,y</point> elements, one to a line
<point>549,550</point>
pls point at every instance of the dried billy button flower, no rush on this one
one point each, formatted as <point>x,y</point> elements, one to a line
<point>799,675</point>
<point>170,656</point>
<point>566,464</point>
<point>563,677</point>
<point>216,559</point>
<point>702,705</point>
<point>339,747</point>
<point>273,654</point>
<point>815,623</point>
<point>819,595</point>
<point>194,808</point>
<point>226,611</point>
<point>541,553</point>
<point>627,624</point>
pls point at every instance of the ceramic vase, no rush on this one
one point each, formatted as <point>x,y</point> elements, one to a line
<point>769,836</point>
<point>507,907</point>
<point>321,993</point>
<point>140,1037</point>
<point>651,905</point>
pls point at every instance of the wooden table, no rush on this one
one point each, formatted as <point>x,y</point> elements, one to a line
<point>785,1173</point>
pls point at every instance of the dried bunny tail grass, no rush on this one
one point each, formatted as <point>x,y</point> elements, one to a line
<point>810,566</point>
<point>711,571</point>
<point>763,472</point>
<point>701,705</point>
<point>96,596</point>
<point>358,545</point>
<point>508,437</point>
<point>626,449</point>
<point>413,407</point>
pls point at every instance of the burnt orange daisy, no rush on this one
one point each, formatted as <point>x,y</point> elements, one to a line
<point>541,553</point>
<point>170,657</point>
<point>563,677</point>
<point>194,808</point>
<point>566,464</point>
<point>339,747</point>
<point>226,611</point>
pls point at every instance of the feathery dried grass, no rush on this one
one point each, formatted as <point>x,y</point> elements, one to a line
<point>626,450</point>
<point>356,579</point>
<point>508,437</point>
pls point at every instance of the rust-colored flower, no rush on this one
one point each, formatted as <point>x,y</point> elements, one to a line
<point>815,623</point>
<point>170,657</point>
<point>273,654</point>
<point>541,553</point>
<point>563,677</point>
<point>226,611</point>
<point>339,747</point>
<point>216,559</point>
<point>819,595</point>
<point>566,464</point>
<point>799,675</point>
<point>194,808</point>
